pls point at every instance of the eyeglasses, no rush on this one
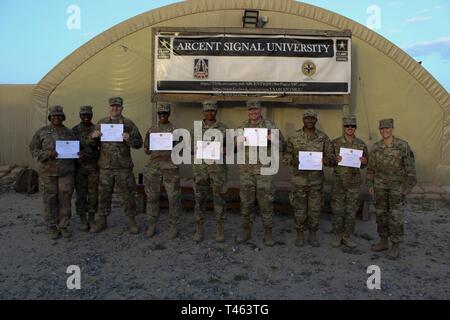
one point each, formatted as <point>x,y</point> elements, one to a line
<point>163,113</point>
<point>350,126</point>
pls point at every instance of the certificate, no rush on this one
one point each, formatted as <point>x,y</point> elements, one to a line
<point>309,160</point>
<point>209,150</point>
<point>111,132</point>
<point>161,141</point>
<point>350,157</point>
<point>255,137</point>
<point>67,149</point>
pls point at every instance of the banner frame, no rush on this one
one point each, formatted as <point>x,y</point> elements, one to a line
<point>313,99</point>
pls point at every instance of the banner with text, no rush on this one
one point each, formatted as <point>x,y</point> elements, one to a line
<point>244,64</point>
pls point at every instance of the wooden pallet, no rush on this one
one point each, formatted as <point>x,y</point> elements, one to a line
<point>281,202</point>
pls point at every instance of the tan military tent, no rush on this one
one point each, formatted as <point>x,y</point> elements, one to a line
<point>386,82</point>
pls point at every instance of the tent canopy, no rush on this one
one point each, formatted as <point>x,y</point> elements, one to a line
<point>386,82</point>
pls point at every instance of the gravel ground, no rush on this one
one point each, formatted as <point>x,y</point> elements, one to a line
<point>117,265</point>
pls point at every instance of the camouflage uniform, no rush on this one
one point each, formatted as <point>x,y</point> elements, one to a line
<point>116,166</point>
<point>253,185</point>
<point>391,174</point>
<point>86,168</point>
<point>160,168</point>
<point>210,174</point>
<point>56,175</point>
<point>346,185</point>
<point>307,186</point>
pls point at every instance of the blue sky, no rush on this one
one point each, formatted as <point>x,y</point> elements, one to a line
<point>36,37</point>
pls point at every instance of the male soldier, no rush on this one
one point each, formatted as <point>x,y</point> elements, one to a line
<point>346,183</point>
<point>86,170</point>
<point>391,174</point>
<point>307,186</point>
<point>56,175</point>
<point>160,168</point>
<point>116,167</point>
<point>254,185</point>
<point>210,174</point>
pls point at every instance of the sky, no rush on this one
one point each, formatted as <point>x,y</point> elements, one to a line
<point>37,35</point>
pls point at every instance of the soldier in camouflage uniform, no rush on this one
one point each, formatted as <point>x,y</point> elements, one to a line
<point>86,170</point>
<point>214,175</point>
<point>116,167</point>
<point>346,184</point>
<point>391,174</point>
<point>56,175</point>
<point>160,168</point>
<point>253,185</point>
<point>307,186</point>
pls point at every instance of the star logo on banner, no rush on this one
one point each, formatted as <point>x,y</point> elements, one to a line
<point>342,45</point>
<point>165,44</point>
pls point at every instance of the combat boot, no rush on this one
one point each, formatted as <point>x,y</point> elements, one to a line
<point>83,223</point>
<point>246,234</point>
<point>151,230</point>
<point>220,236</point>
<point>199,233</point>
<point>381,245</point>
<point>394,252</point>
<point>54,233</point>
<point>338,239</point>
<point>348,242</point>
<point>173,232</point>
<point>312,239</point>
<point>132,225</point>
<point>65,233</point>
<point>100,225</point>
<point>91,220</point>
<point>300,240</point>
<point>268,239</point>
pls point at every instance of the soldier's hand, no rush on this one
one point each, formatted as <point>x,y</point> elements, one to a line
<point>338,158</point>
<point>269,137</point>
<point>363,160</point>
<point>372,193</point>
<point>81,156</point>
<point>125,136</point>
<point>95,134</point>
<point>295,162</point>
<point>53,154</point>
<point>147,151</point>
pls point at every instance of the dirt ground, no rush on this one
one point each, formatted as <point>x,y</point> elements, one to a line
<point>117,265</point>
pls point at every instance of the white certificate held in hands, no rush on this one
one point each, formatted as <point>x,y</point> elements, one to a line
<point>67,149</point>
<point>310,160</point>
<point>111,132</point>
<point>209,150</point>
<point>160,141</point>
<point>255,137</point>
<point>350,157</point>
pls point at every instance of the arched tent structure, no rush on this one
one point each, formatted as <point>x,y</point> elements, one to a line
<point>386,82</point>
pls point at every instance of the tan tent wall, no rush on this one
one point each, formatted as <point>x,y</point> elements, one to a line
<point>18,124</point>
<point>386,81</point>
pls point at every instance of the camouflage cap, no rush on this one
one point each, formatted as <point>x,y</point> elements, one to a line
<point>86,110</point>
<point>56,111</point>
<point>163,107</point>
<point>116,101</point>
<point>349,120</point>
<point>310,113</point>
<point>253,104</point>
<point>386,123</point>
<point>210,105</point>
